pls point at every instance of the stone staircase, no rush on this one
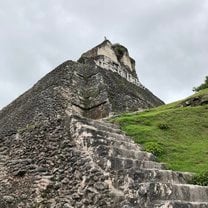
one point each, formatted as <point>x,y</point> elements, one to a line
<point>134,176</point>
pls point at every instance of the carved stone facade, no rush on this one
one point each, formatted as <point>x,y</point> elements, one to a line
<point>107,63</point>
<point>114,57</point>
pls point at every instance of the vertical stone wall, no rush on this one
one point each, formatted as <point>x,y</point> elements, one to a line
<point>126,61</point>
<point>107,63</point>
<point>115,58</point>
<point>106,50</point>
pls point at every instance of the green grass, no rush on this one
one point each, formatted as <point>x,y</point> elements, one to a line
<point>182,133</point>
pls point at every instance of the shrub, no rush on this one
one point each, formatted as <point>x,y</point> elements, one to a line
<point>163,126</point>
<point>154,148</point>
<point>202,86</point>
<point>119,50</point>
<point>200,179</point>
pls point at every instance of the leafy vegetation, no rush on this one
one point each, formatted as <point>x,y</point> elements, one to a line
<point>119,50</point>
<point>163,126</point>
<point>202,86</point>
<point>177,135</point>
<point>200,179</point>
<point>154,147</point>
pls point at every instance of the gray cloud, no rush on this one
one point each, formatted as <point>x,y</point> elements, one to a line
<point>167,38</point>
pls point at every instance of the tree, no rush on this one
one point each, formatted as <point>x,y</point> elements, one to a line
<point>202,86</point>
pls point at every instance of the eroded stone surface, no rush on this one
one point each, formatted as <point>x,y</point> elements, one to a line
<point>53,155</point>
<point>195,101</point>
<point>64,163</point>
<point>113,57</point>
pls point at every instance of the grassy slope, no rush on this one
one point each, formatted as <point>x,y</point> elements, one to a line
<point>185,141</point>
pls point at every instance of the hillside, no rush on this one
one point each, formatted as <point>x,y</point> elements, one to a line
<point>177,133</point>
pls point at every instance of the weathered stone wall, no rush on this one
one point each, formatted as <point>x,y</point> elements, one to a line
<point>115,58</point>
<point>73,162</point>
<point>41,161</point>
<point>126,60</point>
<point>103,49</point>
<point>107,63</point>
<point>85,88</point>
<point>52,155</point>
<point>106,50</point>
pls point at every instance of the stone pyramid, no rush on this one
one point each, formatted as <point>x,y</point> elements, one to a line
<point>58,151</point>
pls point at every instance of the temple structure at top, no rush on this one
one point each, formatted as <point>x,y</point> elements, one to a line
<point>114,57</point>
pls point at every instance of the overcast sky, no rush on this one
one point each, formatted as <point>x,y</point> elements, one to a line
<point>167,38</point>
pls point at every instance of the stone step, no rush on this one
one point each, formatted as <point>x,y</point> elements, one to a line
<point>162,176</point>
<point>104,122</point>
<point>118,163</point>
<point>104,126</point>
<point>168,191</point>
<point>107,122</point>
<point>100,128</point>
<point>150,175</point>
<point>133,169</point>
<point>89,141</point>
<point>106,151</point>
<point>104,134</point>
<point>179,204</point>
<point>153,165</point>
<point>100,125</point>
